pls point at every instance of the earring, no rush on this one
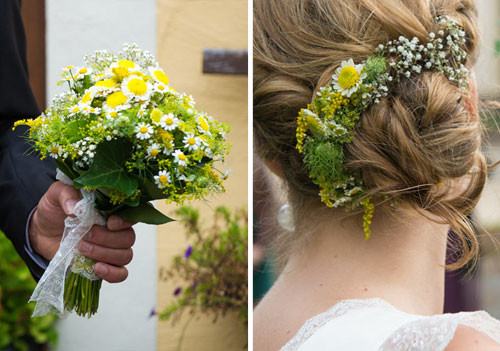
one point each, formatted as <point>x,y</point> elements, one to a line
<point>285,218</point>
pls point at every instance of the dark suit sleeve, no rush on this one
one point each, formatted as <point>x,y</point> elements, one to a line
<point>23,179</point>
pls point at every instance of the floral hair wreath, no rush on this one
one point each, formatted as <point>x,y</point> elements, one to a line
<point>328,123</point>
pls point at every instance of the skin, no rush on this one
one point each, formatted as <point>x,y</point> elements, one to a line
<point>111,245</point>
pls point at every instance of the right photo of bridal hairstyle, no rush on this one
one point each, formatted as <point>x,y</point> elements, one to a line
<point>417,148</point>
<point>370,161</point>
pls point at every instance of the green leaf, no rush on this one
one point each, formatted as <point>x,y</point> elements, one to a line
<point>107,169</point>
<point>144,213</point>
<point>150,190</point>
<point>66,169</point>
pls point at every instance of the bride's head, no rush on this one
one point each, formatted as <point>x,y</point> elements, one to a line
<point>416,150</point>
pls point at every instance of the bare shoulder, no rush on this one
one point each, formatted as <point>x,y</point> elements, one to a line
<point>275,321</point>
<point>266,327</point>
<point>469,339</point>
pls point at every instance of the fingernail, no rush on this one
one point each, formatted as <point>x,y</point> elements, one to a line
<point>100,269</point>
<point>85,247</point>
<point>69,206</point>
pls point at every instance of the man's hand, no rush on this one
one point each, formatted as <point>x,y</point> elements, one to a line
<point>111,246</point>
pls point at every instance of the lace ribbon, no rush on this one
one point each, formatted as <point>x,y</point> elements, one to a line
<point>49,292</point>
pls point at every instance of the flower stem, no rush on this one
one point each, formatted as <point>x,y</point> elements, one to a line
<point>81,294</point>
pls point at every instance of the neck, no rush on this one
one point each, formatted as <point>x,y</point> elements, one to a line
<point>403,262</point>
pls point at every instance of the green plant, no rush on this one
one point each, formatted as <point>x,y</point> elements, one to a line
<point>16,285</point>
<point>214,267</point>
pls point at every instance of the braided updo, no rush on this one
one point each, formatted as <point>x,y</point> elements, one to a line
<point>419,147</point>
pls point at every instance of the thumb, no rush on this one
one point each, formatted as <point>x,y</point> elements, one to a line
<point>64,196</point>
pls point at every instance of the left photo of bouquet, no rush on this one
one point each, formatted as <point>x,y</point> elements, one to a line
<point>117,165</point>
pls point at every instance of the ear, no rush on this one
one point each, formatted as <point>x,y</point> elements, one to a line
<point>472,100</point>
<point>274,167</point>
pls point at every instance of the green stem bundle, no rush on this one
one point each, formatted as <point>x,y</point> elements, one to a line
<point>81,294</point>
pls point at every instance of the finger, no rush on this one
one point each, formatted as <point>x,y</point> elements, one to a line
<point>60,196</point>
<point>117,223</point>
<point>117,257</point>
<point>122,239</point>
<point>110,273</point>
<point>64,196</point>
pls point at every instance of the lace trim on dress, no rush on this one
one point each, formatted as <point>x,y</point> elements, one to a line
<point>316,322</point>
<point>426,333</point>
<point>436,332</point>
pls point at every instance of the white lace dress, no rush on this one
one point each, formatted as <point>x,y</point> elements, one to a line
<point>374,324</point>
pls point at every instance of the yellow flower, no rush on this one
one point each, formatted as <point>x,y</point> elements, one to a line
<point>126,63</point>
<point>120,72</point>
<point>137,86</point>
<point>134,86</point>
<point>87,97</point>
<point>160,76</point>
<point>108,83</point>
<point>156,116</point>
<point>116,99</point>
<point>203,124</point>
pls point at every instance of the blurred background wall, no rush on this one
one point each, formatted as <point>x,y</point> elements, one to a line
<point>184,29</point>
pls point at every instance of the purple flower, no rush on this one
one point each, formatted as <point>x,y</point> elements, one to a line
<point>177,291</point>
<point>152,313</point>
<point>188,252</point>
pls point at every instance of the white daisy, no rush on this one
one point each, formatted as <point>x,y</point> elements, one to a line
<point>169,122</point>
<point>116,101</point>
<point>348,77</point>
<point>153,150</point>
<point>203,125</point>
<point>160,76</point>
<point>143,131</point>
<point>157,116</point>
<point>160,88</point>
<point>191,142</point>
<point>135,87</point>
<point>83,71</point>
<point>186,179</point>
<point>55,151</point>
<point>180,158</point>
<point>162,179</point>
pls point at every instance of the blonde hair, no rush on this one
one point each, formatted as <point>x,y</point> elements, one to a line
<point>419,138</point>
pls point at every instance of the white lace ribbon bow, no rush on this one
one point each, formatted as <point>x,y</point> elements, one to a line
<point>49,292</point>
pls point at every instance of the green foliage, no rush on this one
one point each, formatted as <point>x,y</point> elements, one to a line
<point>108,174</point>
<point>213,267</point>
<point>144,213</point>
<point>323,159</point>
<point>108,170</point>
<point>374,67</point>
<point>16,286</point>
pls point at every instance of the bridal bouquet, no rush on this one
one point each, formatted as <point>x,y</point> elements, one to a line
<point>124,137</point>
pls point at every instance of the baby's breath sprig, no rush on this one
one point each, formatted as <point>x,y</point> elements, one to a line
<point>326,125</point>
